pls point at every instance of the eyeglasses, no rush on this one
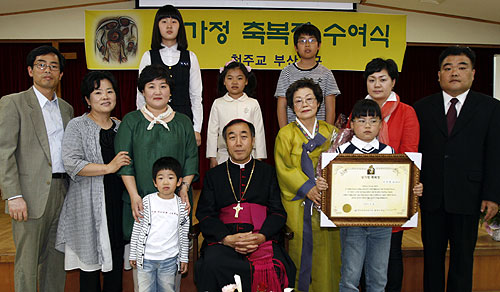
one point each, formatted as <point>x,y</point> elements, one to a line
<point>363,122</point>
<point>43,66</point>
<point>304,41</point>
<point>299,101</point>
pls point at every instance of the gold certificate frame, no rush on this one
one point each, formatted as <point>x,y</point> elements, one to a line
<point>370,189</point>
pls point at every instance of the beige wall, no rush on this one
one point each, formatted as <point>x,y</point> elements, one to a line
<point>424,28</point>
<point>68,24</point>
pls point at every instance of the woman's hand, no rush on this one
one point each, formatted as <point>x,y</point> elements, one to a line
<point>120,160</point>
<point>314,195</point>
<point>136,205</point>
<point>183,193</point>
<point>418,189</point>
<point>321,184</point>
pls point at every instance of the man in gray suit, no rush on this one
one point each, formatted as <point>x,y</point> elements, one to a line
<point>32,176</point>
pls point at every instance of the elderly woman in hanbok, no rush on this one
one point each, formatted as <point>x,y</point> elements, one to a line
<point>90,224</point>
<point>297,150</point>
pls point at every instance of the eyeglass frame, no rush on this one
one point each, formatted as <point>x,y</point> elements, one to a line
<point>42,66</point>
<point>299,102</point>
<point>305,41</point>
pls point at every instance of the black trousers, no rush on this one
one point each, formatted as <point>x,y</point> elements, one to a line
<point>112,280</point>
<point>438,228</point>
<point>395,268</point>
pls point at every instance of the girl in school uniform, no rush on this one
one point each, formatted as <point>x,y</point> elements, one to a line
<point>169,49</point>
<point>236,82</point>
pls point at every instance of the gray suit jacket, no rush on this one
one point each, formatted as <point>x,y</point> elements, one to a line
<point>25,162</point>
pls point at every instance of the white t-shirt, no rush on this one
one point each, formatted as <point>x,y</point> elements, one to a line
<point>162,240</point>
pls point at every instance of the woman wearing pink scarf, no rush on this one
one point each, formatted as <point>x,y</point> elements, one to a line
<point>400,130</point>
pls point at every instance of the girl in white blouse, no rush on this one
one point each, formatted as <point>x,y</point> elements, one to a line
<point>235,81</point>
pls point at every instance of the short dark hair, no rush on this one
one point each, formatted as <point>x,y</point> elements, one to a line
<point>379,64</point>
<point>252,81</point>
<point>304,83</point>
<point>366,107</point>
<point>153,72</point>
<point>306,29</point>
<point>238,121</point>
<point>167,163</point>
<point>169,11</point>
<point>92,81</point>
<point>45,50</point>
<point>457,51</point>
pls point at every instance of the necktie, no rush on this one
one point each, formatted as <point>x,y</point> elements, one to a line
<point>451,116</point>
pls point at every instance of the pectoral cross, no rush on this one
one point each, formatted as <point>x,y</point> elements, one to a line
<point>237,208</point>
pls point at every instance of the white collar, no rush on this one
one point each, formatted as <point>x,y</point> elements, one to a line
<point>360,144</point>
<point>305,129</point>
<point>392,97</point>
<point>461,97</point>
<point>241,165</point>
<point>242,98</point>
<point>42,100</point>
<point>172,48</point>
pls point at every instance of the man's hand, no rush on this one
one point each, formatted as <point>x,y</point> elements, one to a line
<point>197,136</point>
<point>244,243</point>
<point>249,242</point>
<point>418,189</point>
<point>491,209</point>
<point>184,268</point>
<point>18,210</point>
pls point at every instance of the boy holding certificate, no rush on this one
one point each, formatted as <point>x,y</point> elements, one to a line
<point>368,246</point>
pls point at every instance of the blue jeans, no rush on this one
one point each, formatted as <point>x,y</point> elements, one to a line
<point>369,246</point>
<point>157,276</point>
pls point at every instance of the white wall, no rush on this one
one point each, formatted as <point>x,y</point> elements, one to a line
<point>68,24</point>
<point>424,28</point>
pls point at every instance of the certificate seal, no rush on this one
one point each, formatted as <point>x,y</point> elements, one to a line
<point>347,208</point>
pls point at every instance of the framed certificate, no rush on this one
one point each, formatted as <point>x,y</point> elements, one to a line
<point>370,189</point>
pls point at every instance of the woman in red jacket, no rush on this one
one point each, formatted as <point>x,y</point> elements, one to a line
<point>400,130</point>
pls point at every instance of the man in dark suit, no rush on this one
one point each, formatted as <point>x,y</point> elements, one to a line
<point>459,140</point>
<point>32,176</point>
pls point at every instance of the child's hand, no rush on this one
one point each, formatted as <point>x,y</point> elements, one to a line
<point>418,189</point>
<point>213,162</point>
<point>133,264</point>
<point>197,136</point>
<point>184,268</point>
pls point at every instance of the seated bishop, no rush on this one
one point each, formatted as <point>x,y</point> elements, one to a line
<point>241,218</point>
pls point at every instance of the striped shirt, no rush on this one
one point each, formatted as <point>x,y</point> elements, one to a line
<point>319,73</point>
<point>141,230</point>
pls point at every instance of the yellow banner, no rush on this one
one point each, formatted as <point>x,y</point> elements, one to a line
<point>262,39</point>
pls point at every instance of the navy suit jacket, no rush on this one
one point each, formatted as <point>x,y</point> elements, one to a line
<point>462,169</point>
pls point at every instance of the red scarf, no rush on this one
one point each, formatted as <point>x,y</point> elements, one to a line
<point>387,109</point>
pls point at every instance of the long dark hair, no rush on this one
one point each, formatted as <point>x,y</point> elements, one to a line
<point>169,11</point>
